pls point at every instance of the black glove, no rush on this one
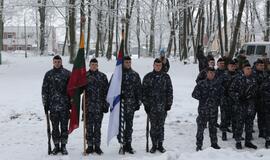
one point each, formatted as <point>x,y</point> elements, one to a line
<point>168,107</point>
<point>106,107</point>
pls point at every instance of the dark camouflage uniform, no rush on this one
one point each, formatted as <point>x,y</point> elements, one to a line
<point>157,100</point>
<point>165,66</point>
<point>259,76</point>
<point>202,60</point>
<point>202,75</point>
<point>265,94</point>
<point>96,105</point>
<point>243,93</point>
<point>226,101</point>
<point>131,91</point>
<point>208,93</point>
<point>56,100</point>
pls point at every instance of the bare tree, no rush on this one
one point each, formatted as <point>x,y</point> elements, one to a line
<point>219,29</point>
<point>236,28</point>
<point>152,27</point>
<point>1,25</point>
<point>129,10</point>
<point>111,5</point>
<point>138,27</point>
<point>226,46</point>
<point>267,20</point>
<point>72,30</point>
<point>42,14</point>
<point>89,18</point>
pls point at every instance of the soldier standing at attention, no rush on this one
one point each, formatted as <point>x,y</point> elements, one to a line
<point>56,101</point>
<point>157,100</point>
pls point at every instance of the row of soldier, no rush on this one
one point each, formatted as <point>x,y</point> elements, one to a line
<point>155,92</point>
<point>241,92</point>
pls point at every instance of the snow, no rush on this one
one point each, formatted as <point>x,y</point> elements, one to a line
<point>23,124</point>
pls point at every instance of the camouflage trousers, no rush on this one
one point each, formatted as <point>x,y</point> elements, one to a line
<point>93,128</point>
<point>267,122</point>
<point>60,120</point>
<point>243,117</point>
<point>157,122</point>
<point>261,119</point>
<point>128,129</point>
<point>226,113</point>
<point>202,121</point>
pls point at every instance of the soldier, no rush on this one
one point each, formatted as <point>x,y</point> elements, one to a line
<point>96,105</point>
<point>57,102</point>
<point>241,58</point>
<point>265,94</point>
<point>201,58</point>
<point>165,61</point>
<point>226,104</point>
<point>259,75</point>
<point>131,92</point>
<point>243,93</point>
<point>157,100</point>
<point>207,92</point>
<point>203,74</point>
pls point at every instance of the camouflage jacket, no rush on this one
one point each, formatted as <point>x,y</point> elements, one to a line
<point>54,90</point>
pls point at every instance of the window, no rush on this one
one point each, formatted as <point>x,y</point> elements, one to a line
<point>9,35</point>
<point>260,50</point>
<point>250,50</point>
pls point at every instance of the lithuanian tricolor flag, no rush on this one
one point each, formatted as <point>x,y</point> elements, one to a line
<point>75,86</point>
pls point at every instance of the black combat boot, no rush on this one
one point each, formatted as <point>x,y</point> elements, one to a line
<point>128,148</point>
<point>63,149</point>
<point>89,150</point>
<point>198,148</point>
<point>215,146</point>
<point>56,149</point>
<point>238,145</point>
<point>161,148</point>
<point>267,144</point>
<point>250,145</point>
<point>98,150</point>
<point>224,136</point>
<point>153,149</point>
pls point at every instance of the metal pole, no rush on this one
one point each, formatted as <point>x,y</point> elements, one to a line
<point>122,122</point>
<point>25,37</point>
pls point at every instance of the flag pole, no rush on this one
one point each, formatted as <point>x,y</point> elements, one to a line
<point>122,122</point>
<point>84,102</point>
<point>84,125</point>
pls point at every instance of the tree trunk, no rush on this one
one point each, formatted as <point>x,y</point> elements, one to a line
<point>219,29</point>
<point>236,28</point>
<point>42,14</point>
<point>1,25</point>
<point>99,19</point>
<point>129,9</point>
<point>111,29</point>
<point>152,29</point>
<point>225,26</point>
<point>138,28</point>
<point>267,21</point>
<point>246,26</point>
<point>72,31</point>
<point>88,28</point>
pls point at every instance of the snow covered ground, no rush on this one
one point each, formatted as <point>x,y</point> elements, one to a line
<point>23,125</point>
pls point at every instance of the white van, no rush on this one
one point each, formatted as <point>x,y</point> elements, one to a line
<point>255,50</point>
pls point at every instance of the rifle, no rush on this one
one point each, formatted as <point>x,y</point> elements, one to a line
<point>49,133</point>
<point>147,134</point>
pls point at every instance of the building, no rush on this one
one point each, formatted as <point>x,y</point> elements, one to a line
<point>21,38</point>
